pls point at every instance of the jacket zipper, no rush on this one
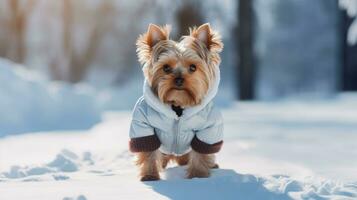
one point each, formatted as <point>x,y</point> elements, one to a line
<point>177,131</point>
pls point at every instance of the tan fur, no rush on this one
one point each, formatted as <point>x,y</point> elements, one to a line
<point>155,50</point>
<point>144,43</point>
<point>213,42</point>
<point>149,163</point>
<point>182,160</point>
<point>200,48</point>
<point>165,160</point>
<point>199,165</point>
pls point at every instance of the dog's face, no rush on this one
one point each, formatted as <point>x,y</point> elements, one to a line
<point>180,73</point>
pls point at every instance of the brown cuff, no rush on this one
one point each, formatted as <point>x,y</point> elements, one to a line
<point>204,148</point>
<point>144,144</point>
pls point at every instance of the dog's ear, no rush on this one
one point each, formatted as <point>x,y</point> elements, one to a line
<point>148,40</point>
<point>155,34</point>
<point>203,33</point>
<point>210,38</point>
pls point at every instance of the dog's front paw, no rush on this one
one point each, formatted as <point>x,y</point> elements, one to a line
<point>149,178</point>
<point>215,166</point>
<point>198,174</point>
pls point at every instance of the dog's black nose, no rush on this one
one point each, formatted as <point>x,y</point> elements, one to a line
<point>179,81</point>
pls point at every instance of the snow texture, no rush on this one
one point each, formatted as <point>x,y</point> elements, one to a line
<point>277,150</point>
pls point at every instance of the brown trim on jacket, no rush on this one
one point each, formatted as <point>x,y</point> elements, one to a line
<point>144,144</point>
<point>204,148</point>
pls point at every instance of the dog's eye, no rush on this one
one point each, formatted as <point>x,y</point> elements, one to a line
<point>192,68</point>
<point>166,68</point>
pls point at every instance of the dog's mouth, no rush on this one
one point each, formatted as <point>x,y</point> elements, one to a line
<point>181,89</point>
<point>180,97</point>
<point>178,88</point>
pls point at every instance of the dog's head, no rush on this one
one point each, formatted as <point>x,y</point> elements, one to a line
<point>180,73</point>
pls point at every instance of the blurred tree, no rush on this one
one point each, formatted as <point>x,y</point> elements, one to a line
<point>15,22</point>
<point>188,15</point>
<point>349,59</point>
<point>246,68</point>
<point>78,62</point>
<point>2,36</point>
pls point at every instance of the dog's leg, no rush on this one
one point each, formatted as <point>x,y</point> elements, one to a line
<point>148,162</point>
<point>199,165</point>
<point>215,166</point>
<point>182,160</point>
<point>165,159</point>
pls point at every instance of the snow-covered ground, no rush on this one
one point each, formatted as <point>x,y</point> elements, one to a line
<point>291,149</point>
<point>272,150</point>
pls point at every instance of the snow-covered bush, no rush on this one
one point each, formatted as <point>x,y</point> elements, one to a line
<point>351,8</point>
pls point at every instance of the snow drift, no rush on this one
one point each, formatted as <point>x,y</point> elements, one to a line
<point>29,102</point>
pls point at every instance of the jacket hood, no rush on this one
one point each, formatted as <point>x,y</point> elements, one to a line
<point>154,102</point>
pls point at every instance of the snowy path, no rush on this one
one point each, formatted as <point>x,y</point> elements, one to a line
<point>272,151</point>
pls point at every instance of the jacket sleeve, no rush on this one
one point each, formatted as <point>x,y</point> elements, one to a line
<point>209,139</point>
<point>142,135</point>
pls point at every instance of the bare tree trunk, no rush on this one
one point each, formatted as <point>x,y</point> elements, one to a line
<point>77,63</point>
<point>80,63</point>
<point>3,42</point>
<point>17,26</point>
<point>246,69</point>
<point>17,23</point>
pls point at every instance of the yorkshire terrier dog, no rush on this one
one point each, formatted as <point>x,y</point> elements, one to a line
<point>175,119</point>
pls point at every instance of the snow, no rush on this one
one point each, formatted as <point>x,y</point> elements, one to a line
<point>63,143</point>
<point>351,7</point>
<point>29,102</point>
<point>273,150</point>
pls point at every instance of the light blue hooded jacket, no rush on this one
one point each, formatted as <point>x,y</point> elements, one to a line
<point>201,125</point>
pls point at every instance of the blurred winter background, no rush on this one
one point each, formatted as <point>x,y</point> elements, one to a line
<point>289,75</point>
<point>65,62</point>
